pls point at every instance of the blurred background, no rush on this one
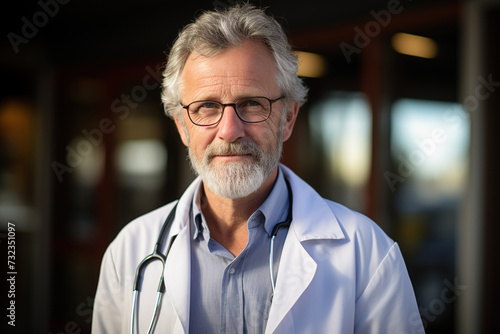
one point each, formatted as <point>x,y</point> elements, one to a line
<point>399,125</point>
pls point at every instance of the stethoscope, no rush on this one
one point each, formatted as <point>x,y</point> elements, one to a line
<point>157,255</point>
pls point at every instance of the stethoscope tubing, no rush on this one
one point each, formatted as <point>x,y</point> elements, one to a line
<point>157,256</point>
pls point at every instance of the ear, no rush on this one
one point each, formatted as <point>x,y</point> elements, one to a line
<point>291,117</point>
<point>182,130</point>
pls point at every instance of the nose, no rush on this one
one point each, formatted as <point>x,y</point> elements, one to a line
<point>231,127</point>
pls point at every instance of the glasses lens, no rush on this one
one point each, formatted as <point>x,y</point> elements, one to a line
<point>254,109</point>
<point>205,112</point>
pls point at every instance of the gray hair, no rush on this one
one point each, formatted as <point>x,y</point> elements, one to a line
<point>215,31</point>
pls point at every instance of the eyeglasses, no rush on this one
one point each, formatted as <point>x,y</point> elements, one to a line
<point>250,110</point>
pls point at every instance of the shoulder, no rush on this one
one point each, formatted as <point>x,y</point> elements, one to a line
<point>368,240</point>
<point>356,225</point>
<point>319,218</point>
<point>368,245</point>
<point>137,238</point>
<point>145,226</point>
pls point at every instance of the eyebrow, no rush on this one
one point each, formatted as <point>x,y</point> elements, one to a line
<point>238,98</point>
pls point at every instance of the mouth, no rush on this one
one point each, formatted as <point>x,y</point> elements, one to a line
<point>239,152</point>
<point>232,156</point>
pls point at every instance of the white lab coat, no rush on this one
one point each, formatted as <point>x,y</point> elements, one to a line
<point>339,273</point>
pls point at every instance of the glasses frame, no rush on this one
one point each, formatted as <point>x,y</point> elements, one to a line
<point>224,105</point>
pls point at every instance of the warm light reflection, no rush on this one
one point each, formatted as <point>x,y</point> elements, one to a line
<point>342,125</point>
<point>145,157</point>
<point>414,45</point>
<point>90,167</point>
<point>311,65</point>
<point>18,152</point>
<point>431,139</point>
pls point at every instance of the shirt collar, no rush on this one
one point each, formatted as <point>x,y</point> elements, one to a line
<point>275,207</point>
<point>197,216</point>
<point>273,211</point>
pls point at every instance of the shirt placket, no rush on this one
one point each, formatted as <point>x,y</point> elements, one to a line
<point>232,320</point>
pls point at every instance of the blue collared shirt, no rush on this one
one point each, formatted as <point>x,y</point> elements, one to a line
<point>234,294</point>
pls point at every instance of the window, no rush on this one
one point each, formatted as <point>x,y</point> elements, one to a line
<point>341,129</point>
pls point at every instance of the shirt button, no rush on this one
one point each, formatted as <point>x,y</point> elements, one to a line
<point>232,271</point>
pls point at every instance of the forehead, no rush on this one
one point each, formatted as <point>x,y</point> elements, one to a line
<point>247,69</point>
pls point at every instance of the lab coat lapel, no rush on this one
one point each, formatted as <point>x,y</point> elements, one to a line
<point>295,273</point>
<point>312,220</point>
<point>177,271</point>
<point>178,277</point>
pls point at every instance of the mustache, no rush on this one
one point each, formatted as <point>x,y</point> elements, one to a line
<point>240,147</point>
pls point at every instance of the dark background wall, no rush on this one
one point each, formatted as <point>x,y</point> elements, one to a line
<point>80,96</point>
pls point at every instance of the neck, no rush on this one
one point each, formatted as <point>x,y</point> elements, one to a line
<point>227,218</point>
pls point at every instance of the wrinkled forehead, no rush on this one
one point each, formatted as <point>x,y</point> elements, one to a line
<point>247,66</point>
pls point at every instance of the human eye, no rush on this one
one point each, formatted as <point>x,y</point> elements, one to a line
<point>209,105</point>
<point>205,107</point>
<point>251,104</point>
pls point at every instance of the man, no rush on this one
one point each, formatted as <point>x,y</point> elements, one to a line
<point>231,266</point>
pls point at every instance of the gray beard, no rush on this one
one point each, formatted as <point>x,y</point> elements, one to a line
<point>236,179</point>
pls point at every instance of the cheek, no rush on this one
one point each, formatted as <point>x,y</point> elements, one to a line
<point>275,129</point>
<point>266,137</point>
<point>199,140</point>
